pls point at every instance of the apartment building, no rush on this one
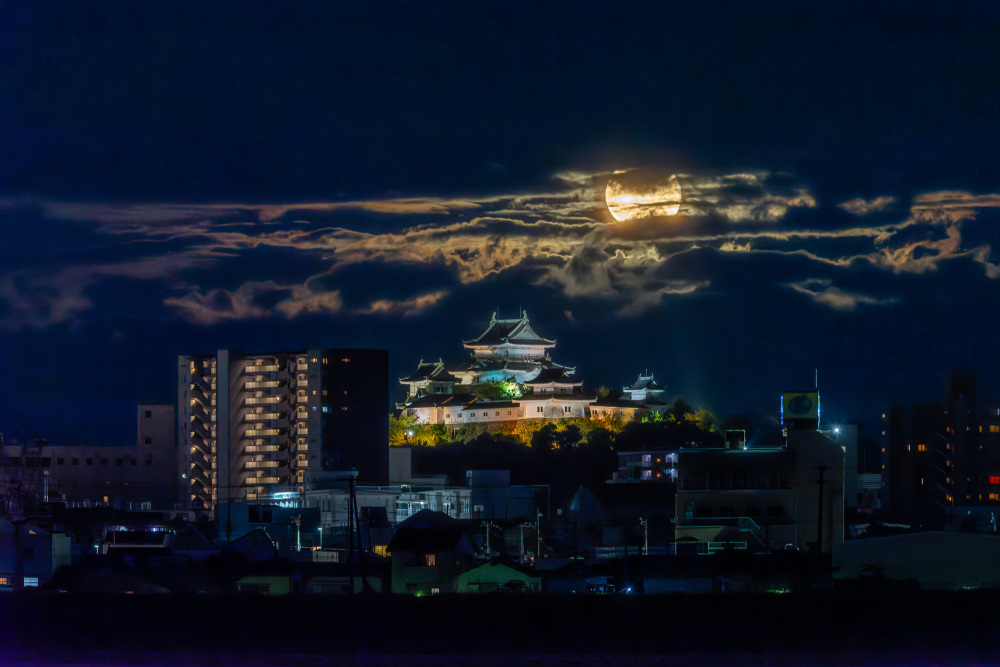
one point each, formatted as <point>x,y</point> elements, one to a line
<point>254,427</point>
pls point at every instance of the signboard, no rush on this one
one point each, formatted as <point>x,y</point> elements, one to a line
<point>799,406</point>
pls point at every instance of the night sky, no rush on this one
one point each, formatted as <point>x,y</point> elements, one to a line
<point>181,177</point>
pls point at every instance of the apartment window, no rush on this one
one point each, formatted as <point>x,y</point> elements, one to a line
<point>61,462</point>
<point>484,414</point>
<point>90,462</point>
<point>921,448</point>
<point>104,461</point>
<point>498,413</point>
<point>149,414</point>
<point>538,409</point>
<point>30,582</point>
<point>118,462</point>
<point>134,462</point>
<point>4,581</point>
<point>149,459</point>
<point>430,559</point>
<point>148,440</point>
<point>76,461</point>
<point>995,496</point>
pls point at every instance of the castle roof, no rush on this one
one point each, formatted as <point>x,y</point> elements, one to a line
<point>646,382</point>
<point>433,370</point>
<point>440,400</point>
<point>553,375</point>
<point>509,332</point>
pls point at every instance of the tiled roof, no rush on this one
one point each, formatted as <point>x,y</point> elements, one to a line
<point>646,382</point>
<point>515,332</point>
<point>553,376</point>
<point>430,371</point>
<point>439,400</point>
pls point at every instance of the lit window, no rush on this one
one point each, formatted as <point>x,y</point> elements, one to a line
<point>921,448</point>
<point>994,479</point>
<point>30,581</point>
<point>430,559</point>
<point>995,496</point>
<point>346,360</point>
<point>994,428</point>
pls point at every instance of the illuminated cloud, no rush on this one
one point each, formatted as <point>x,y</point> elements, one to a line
<point>406,307</point>
<point>825,294</point>
<point>218,304</point>
<point>742,197</point>
<point>305,300</point>
<point>557,238</point>
<point>860,206</point>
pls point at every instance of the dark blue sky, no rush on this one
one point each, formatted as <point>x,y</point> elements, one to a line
<point>181,177</point>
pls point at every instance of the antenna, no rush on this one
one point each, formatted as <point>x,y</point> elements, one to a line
<point>817,377</point>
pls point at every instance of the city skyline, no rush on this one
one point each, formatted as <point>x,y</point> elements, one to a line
<point>735,199</point>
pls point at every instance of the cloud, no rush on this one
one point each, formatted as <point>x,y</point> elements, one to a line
<point>825,294</point>
<point>861,207</point>
<point>642,301</point>
<point>557,238</point>
<point>406,307</point>
<point>305,300</point>
<point>219,305</point>
<point>742,197</point>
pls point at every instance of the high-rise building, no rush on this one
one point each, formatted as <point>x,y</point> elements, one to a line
<point>256,427</point>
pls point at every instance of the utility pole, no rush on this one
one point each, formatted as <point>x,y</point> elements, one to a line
<point>819,516</point>
<point>538,535</point>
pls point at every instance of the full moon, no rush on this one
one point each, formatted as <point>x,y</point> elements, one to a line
<point>628,201</point>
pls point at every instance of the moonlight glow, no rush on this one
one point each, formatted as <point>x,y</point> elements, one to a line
<point>628,201</point>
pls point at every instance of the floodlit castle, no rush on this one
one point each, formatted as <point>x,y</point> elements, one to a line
<point>509,375</point>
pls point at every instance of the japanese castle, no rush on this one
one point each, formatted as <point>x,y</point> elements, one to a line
<point>510,355</point>
<point>514,359</point>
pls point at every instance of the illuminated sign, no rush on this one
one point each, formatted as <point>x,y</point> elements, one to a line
<point>284,495</point>
<point>796,405</point>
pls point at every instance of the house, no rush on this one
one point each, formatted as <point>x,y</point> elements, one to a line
<point>429,551</point>
<point>496,575</point>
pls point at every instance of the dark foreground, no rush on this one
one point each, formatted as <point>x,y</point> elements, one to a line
<point>880,627</point>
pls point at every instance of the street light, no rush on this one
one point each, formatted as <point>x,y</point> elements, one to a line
<point>321,538</point>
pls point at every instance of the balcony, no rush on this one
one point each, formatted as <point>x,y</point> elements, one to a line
<point>260,449</point>
<point>261,384</point>
<point>263,432</point>
<point>262,400</point>
<point>257,370</point>
<point>254,465</point>
<point>263,416</point>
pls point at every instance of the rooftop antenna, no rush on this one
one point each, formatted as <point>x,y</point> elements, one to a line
<point>817,377</point>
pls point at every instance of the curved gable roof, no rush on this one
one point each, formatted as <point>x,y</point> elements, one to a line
<point>512,332</point>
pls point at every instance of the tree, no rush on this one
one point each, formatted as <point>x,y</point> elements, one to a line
<point>399,429</point>
<point>543,439</point>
